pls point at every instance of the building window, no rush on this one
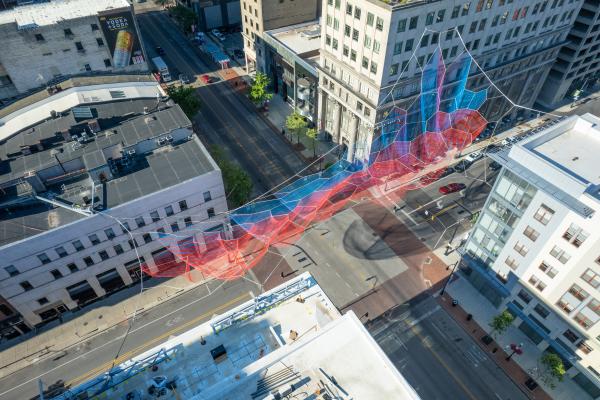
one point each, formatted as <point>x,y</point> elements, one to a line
<point>72,267</point>
<point>26,286</point>
<point>560,254</point>
<point>334,44</point>
<point>531,233</point>
<point>188,221</point>
<point>589,315</point>
<point>409,45</point>
<point>401,25</point>
<point>56,274</point>
<point>78,46</point>
<point>349,9</point>
<point>365,62</point>
<point>175,227</point>
<point>346,51</point>
<point>393,69</point>
<point>103,255</point>
<point>521,249</point>
<point>107,63</point>
<point>543,214</point>
<point>578,292</point>
<point>353,55</point>
<point>455,12</point>
<point>147,238</point>
<point>523,295</point>
<point>88,261</point>
<point>571,336</point>
<point>183,205</point>
<point>347,30</point>
<point>39,37</point>
<point>109,233</point>
<point>210,212</point>
<point>429,18</point>
<point>125,227</point>
<point>94,27</point>
<point>327,40</point>
<point>355,35</point>
<point>139,221</point>
<point>118,249</point>
<point>169,211</point>
<point>68,32</point>
<point>575,235</point>
<point>11,270</point>
<point>154,215</point>
<point>414,21</point>
<point>370,19</point>
<point>465,9</point>
<point>373,67</point>
<point>61,251</point>
<point>541,310</point>
<point>87,67</point>
<point>42,301</point>
<point>43,258</point>
<point>592,278</point>
<point>511,262</point>
<point>537,283</point>
<point>356,12</point>
<point>548,270</point>
<point>376,46</point>
<point>584,347</point>
<point>77,244</point>
<point>94,239</point>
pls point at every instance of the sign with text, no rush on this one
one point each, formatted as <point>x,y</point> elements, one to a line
<point>122,40</point>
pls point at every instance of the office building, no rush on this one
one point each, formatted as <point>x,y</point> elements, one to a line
<point>289,342</point>
<point>214,13</point>
<point>535,248</point>
<point>46,42</point>
<point>90,179</point>
<point>577,67</point>
<point>367,45</point>
<point>259,16</point>
<point>291,56</point>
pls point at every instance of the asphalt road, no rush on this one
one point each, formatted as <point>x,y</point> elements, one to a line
<point>438,358</point>
<point>93,357</point>
<point>225,119</point>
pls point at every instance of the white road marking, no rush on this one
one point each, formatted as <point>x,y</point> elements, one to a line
<point>409,217</point>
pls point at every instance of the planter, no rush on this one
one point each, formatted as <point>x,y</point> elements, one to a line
<point>531,384</point>
<point>487,339</point>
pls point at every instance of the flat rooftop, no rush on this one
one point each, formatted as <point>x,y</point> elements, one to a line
<point>302,39</point>
<point>49,13</point>
<point>122,125</point>
<point>575,148</point>
<point>275,343</point>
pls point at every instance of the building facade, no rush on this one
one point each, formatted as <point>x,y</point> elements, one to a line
<point>214,13</point>
<point>87,194</point>
<point>263,15</point>
<point>42,45</point>
<point>577,67</point>
<point>367,62</point>
<point>535,248</point>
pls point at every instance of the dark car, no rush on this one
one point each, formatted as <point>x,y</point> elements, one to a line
<point>462,166</point>
<point>184,79</point>
<point>160,51</point>
<point>494,166</point>
<point>452,188</point>
<point>238,53</point>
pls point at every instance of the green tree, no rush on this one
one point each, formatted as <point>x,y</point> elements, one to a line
<point>552,369</point>
<point>501,322</point>
<point>258,89</point>
<point>186,97</point>
<point>296,124</point>
<point>185,16</point>
<point>311,133</point>
<point>238,185</point>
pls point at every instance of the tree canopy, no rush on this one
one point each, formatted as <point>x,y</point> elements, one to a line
<point>552,369</point>
<point>296,124</point>
<point>258,89</point>
<point>186,97</point>
<point>501,322</point>
<point>311,133</point>
<point>185,16</point>
<point>238,185</point>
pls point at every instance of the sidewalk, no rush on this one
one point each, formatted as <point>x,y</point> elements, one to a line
<point>470,301</point>
<point>91,321</point>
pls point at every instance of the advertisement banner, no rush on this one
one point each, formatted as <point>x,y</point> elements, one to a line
<point>122,40</point>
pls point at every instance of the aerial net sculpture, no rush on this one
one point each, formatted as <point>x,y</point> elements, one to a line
<point>415,140</point>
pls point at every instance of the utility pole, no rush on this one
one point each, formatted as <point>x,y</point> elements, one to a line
<point>449,278</point>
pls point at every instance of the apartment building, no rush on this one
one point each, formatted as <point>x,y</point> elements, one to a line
<point>91,178</point>
<point>366,47</point>
<point>577,66</point>
<point>535,248</point>
<point>48,41</point>
<point>263,15</point>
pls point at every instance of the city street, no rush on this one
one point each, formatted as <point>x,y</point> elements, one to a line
<point>96,355</point>
<point>225,119</point>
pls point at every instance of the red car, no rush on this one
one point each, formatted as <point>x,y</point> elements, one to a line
<point>452,188</point>
<point>206,78</point>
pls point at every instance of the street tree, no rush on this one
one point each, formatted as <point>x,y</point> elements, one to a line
<point>186,97</point>
<point>258,89</point>
<point>185,16</point>
<point>238,185</point>
<point>500,323</point>
<point>296,124</point>
<point>551,370</point>
<point>311,133</point>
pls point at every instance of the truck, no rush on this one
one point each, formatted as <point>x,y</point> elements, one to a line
<point>162,69</point>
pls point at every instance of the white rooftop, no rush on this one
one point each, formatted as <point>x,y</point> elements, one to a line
<point>40,14</point>
<point>330,354</point>
<point>564,155</point>
<point>301,38</point>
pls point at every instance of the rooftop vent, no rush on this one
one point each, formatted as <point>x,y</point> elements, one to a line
<point>82,113</point>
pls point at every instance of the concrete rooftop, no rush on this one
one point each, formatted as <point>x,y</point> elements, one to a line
<point>301,39</point>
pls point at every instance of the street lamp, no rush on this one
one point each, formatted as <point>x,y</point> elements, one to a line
<point>449,278</point>
<point>516,349</point>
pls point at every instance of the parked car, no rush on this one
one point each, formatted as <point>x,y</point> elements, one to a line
<point>217,33</point>
<point>209,79</point>
<point>462,166</point>
<point>160,51</point>
<point>474,156</point>
<point>184,79</point>
<point>238,53</point>
<point>452,188</point>
<point>494,166</point>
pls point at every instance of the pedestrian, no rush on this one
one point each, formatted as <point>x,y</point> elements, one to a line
<point>282,274</point>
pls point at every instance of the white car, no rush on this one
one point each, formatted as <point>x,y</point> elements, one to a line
<point>474,156</point>
<point>218,34</point>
